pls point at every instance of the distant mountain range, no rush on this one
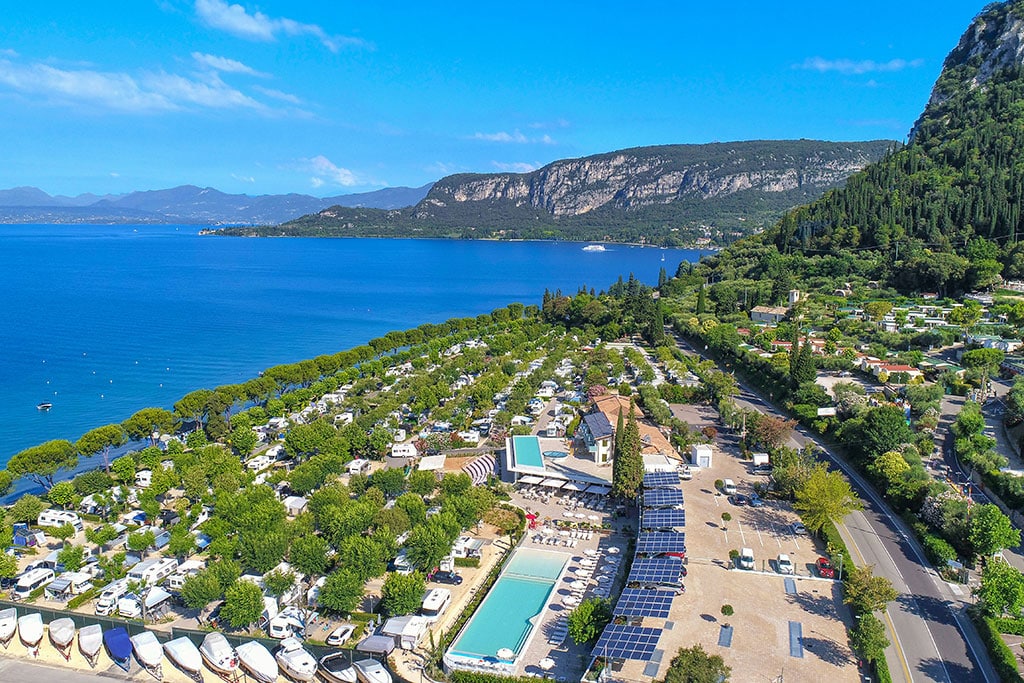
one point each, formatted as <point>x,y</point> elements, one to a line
<point>669,194</point>
<point>188,204</point>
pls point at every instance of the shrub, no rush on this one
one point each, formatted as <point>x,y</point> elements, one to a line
<point>733,554</point>
<point>726,517</point>
<point>1002,657</point>
<point>727,610</point>
<point>719,484</point>
<point>939,551</point>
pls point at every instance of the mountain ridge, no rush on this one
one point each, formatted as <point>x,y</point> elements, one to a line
<point>186,204</point>
<point>665,194</point>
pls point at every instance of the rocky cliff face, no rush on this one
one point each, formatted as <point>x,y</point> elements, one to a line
<point>634,178</point>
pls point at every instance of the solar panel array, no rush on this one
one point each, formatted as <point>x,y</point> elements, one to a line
<point>670,518</point>
<point>655,479</point>
<point>639,602</point>
<point>654,542</point>
<point>662,497</point>
<point>621,641</point>
<point>656,570</point>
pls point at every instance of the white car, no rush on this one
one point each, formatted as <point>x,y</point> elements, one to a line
<point>784,564</point>
<point>340,635</point>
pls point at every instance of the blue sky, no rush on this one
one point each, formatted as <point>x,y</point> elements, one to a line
<point>328,98</point>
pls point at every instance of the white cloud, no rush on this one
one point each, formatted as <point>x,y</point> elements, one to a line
<point>502,136</point>
<point>851,66</point>
<point>515,166</point>
<point>243,178</point>
<point>226,65</point>
<point>115,174</point>
<point>316,182</point>
<point>237,21</point>
<point>325,171</point>
<point>442,167</point>
<point>7,52</point>
<point>277,94</point>
<point>118,91</point>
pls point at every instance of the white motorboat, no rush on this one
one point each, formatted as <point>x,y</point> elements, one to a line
<point>335,668</point>
<point>30,629</point>
<point>62,634</point>
<point>594,247</point>
<point>149,652</point>
<point>295,661</point>
<point>219,655</point>
<point>258,661</point>
<point>8,625</point>
<point>90,642</point>
<point>184,654</point>
<point>372,671</point>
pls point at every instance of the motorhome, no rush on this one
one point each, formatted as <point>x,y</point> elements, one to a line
<point>30,581</point>
<point>156,602</point>
<point>107,602</point>
<point>176,581</point>
<point>56,518</point>
<point>153,571</point>
<point>359,466</point>
<point>435,603</point>
<point>290,621</point>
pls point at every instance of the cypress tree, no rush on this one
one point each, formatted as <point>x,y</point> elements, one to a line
<point>628,468</point>
<point>702,302</point>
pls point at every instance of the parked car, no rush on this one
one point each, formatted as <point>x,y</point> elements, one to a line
<point>340,635</point>
<point>784,564</point>
<point>685,474</point>
<point>447,577</point>
<point>739,499</point>
<point>825,568</point>
<point>756,501</point>
<point>798,528</point>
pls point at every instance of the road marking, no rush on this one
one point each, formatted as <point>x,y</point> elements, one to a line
<point>742,537</point>
<point>888,619</point>
<point>759,535</point>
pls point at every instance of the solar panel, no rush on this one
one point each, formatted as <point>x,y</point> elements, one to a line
<point>662,497</point>
<point>649,570</point>
<point>621,641</point>
<point>656,479</point>
<point>663,519</point>
<point>639,602</point>
<point>654,542</point>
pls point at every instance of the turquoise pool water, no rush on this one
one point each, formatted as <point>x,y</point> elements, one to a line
<point>527,451</point>
<point>503,618</point>
<point>555,454</point>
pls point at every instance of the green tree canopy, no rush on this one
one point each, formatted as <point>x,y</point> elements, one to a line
<point>402,593</point>
<point>990,531</point>
<point>147,422</point>
<point>243,604</point>
<point>62,493</point>
<point>101,440</point>
<point>308,554</point>
<point>1002,589</point>
<point>695,665</point>
<point>825,497</point>
<point>201,589</point>
<point>867,592</point>
<point>588,620</point>
<point>41,463</point>
<point>341,592</point>
<point>26,509</point>
<point>71,556</point>
<point>868,637</point>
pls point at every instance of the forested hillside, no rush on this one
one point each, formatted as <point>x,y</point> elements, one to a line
<point>943,213</point>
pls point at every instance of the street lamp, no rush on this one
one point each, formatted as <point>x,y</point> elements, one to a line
<point>840,563</point>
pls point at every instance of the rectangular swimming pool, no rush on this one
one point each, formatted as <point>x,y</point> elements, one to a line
<point>518,596</point>
<point>527,451</point>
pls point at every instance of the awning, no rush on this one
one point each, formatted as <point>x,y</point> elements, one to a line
<point>431,463</point>
<point>599,489</point>
<point>553,483</point>
<point>530,479</point>
<point>376,645</point>
<point>573,486</point>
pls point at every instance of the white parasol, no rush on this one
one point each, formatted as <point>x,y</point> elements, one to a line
<point>614,550</point>
<point>547,664</point>
<point>506,653</point>
<point>578,585</point>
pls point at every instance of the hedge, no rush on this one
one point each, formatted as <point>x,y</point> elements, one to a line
<point>833,539</point>
<point>467,561</point>
<point>1013,627</point>
<point>475,677</point>
<point>1003,659</point>
<point>882,670</point>
<point>79,600</point>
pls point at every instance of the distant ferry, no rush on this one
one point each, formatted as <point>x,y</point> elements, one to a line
<point>594,247</point>
<point>45,405</point>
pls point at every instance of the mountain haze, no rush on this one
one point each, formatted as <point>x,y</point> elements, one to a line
<point>186,204</point>
<point>669,194</point>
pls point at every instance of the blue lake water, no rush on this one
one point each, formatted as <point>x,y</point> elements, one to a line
<point>104,320</point>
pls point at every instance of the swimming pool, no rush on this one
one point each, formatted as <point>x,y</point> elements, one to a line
<point>555,454</point>
<point>527,451</point>
<point>503,618</point>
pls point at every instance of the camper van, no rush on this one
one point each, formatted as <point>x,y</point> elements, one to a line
<point>359,466</point>
<point>107,602</point>
<point>188,568</point>
<point>290,621</point>
<point>56,518</point>
<point>30,581</point>
<point>435,603</point>
<point>130,606</point>
<point>153,571</point>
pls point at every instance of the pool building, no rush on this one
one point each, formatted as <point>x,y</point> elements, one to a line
<point>535,459</point>
<point>502,626</point>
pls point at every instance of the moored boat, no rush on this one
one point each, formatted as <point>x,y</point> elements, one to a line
<point>594,247</point>
<point>8,625</point>
<point>218,654</point>
<point>372,671</point>
<point>119,646</point>
<point>184,654</point>
<point>30,630</point>
<point>90,642</point>
<point>295,661</point>
<point>258,661</point>
<point>62,634</point>
<point>336,668</point>
<point>45,405</point>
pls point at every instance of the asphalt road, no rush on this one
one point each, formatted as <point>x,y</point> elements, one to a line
<point>932,640</point>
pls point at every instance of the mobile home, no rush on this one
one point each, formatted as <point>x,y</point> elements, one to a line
<point>68,585</point>
<point>435,603</point>
<point>359,466</point>
<point>30,581</point>
<point>56,518</point>
<point>107,602</point>
<point>153,571</point>
<point>188,568</point>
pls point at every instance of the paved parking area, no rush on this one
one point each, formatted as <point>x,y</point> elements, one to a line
<point>763,608</point>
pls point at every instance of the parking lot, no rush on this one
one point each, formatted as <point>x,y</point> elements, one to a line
<point>793,624</point>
